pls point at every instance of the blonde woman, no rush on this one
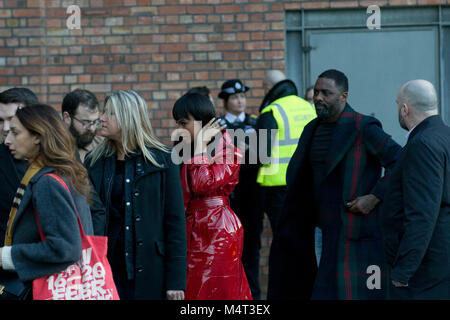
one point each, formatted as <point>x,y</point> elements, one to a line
<point>140,187</point>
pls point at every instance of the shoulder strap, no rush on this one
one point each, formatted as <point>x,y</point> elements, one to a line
<point>61,181</point>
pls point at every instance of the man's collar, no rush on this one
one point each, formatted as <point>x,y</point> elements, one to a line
<point>409,132</point>
<point>430,120</point>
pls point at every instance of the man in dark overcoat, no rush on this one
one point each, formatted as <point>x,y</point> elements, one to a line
<point>11,170</point>
<point>416,212</point>
<point>335,182</point>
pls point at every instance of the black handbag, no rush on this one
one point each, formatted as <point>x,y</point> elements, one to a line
<point>13,289</point>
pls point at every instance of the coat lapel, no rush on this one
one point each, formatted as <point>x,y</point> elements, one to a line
<point>298,158</point>
<point>107,165</point>
<point>343,138</point>
<point>144,168</point>
<point>432,121</point>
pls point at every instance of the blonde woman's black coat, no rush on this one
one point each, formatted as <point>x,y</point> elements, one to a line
<point>156,219</point>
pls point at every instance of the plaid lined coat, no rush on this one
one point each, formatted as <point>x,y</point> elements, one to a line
<point>351,242</point>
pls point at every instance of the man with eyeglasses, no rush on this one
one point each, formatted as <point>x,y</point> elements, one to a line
<point>80,111</point>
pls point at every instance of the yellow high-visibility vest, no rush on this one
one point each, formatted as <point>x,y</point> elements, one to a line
<point>292,114</point>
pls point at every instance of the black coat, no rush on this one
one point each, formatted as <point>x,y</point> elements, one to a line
<point>416,214</point>
<point>158,220</point>
<point>351,242</point>
<point>243,196</point>
<point>10,176</point>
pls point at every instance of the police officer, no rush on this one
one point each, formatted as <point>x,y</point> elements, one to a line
<point>235,102</point>
<point>244,196</point>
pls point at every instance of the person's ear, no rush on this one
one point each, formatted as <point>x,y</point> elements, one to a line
<point>36,139</point>
<point>66,118</point>
<point>406,110</point>
<point>344,96</point>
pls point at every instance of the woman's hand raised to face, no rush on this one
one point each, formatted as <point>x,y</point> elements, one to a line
<point>204,136</point>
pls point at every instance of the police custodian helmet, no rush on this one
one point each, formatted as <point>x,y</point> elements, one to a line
<point>230,87</point>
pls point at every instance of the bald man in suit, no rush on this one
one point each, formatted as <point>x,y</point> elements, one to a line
<point>416,211</point>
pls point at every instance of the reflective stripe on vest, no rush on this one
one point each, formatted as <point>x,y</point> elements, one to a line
<point>292,114</point>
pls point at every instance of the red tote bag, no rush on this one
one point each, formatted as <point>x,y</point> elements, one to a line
<point>88,279</point>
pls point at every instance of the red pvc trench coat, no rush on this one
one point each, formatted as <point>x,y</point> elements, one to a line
<point>214,233</point>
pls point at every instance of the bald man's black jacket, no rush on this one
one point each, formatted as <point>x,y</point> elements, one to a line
<point>416,214</point>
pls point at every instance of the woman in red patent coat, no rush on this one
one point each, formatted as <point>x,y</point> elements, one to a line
<point>214,232</point>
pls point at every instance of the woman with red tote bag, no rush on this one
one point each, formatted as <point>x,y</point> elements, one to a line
<point>43,235</point>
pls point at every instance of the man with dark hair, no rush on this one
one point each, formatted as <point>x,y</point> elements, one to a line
<point>80,111</point>
<point>334,182</point>
<point>339,78</point>
<point>9,101</point>
<point>11,170</point>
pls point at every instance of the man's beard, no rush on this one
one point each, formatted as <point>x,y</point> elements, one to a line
<point>325,111</point>
<point>82,140</point>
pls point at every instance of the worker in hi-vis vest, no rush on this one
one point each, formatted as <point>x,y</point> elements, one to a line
<point>284,115</point>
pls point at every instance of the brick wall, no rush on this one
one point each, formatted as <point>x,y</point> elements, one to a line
<point>159,48</point>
